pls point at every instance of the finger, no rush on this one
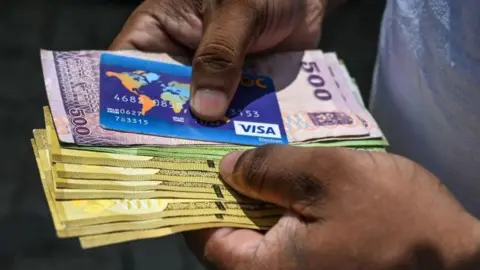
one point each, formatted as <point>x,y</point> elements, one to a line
<point>196,241</point>
<point>307,34</point>
<point>142,31</point>
<point>227,247</point>
<point>231,26</point>
<point>222,247</point>
<point>293,177</point>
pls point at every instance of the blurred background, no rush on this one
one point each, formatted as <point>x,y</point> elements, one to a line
<point>27,237</point>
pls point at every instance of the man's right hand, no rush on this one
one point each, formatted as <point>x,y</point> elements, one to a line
<point>346,209</point>
<point>221,33</point>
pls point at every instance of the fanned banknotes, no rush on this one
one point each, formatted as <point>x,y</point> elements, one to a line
<point>107,187</point>
<point>94,212</point>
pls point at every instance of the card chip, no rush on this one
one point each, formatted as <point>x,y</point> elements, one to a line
<point>210,164</point>
<point>218,191</point>
<point>220,206</point>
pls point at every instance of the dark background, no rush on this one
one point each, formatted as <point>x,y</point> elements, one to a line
<point>27,238</point>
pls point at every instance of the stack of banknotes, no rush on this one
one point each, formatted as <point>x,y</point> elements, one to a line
<point>106,187</point>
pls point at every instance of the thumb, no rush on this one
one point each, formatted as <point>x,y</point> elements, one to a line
<point>292,177</point>
<point>230,27</point>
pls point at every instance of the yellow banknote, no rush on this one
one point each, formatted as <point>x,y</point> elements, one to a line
<point>87,212</point>
<point>133,185</point>
<point>256,223</point>
<point>89,194</point>
<point>92,189</point>
<point>121,237</point>
<point>121,160</point>
<point>267,219</point>
<point>78,171</point>
<point>52,205</point>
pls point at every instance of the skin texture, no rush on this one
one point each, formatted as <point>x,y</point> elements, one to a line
<point>219,34</point>
<point>345,209</point>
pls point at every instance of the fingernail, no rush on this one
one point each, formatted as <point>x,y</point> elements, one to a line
<point>210,103</point>
<point>228,162</point>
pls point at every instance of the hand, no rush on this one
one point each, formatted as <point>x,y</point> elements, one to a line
<point>346,209</point>
<point>222,33</point>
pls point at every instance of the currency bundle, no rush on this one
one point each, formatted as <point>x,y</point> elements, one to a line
<point>106,187</point>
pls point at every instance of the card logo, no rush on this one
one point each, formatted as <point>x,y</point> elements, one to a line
<point>257,129</point>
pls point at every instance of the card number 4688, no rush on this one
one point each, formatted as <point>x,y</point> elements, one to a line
<point>135,99</point>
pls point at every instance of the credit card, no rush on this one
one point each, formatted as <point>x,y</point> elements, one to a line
<point>150,97</point>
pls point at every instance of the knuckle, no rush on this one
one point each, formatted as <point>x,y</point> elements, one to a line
<point>255,14</point>
<point>211,252</point>
<point>216,256</point>
<point>216,56</point>
<point>270,168</point>
<point>255,167</point>
<point>306,185</point>
<point>333,161</point>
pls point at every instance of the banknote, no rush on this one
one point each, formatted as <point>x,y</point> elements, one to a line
<point>93,241</point>
<point>120,160</point>
<point>90,212</point>
<point>100,184</point>
<point>89,194</point>
<point>349,95</point>
<point>352,84</point>
<point>68,183</point>
<point>252,223</point>
<point>311,107</point>
<point>47,189</point>
<point>78,171</point>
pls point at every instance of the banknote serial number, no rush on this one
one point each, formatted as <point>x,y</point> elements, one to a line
<point>79,121</point>
<point>131,120</point>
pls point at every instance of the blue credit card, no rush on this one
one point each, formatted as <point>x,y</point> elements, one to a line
<point>149,97</point>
